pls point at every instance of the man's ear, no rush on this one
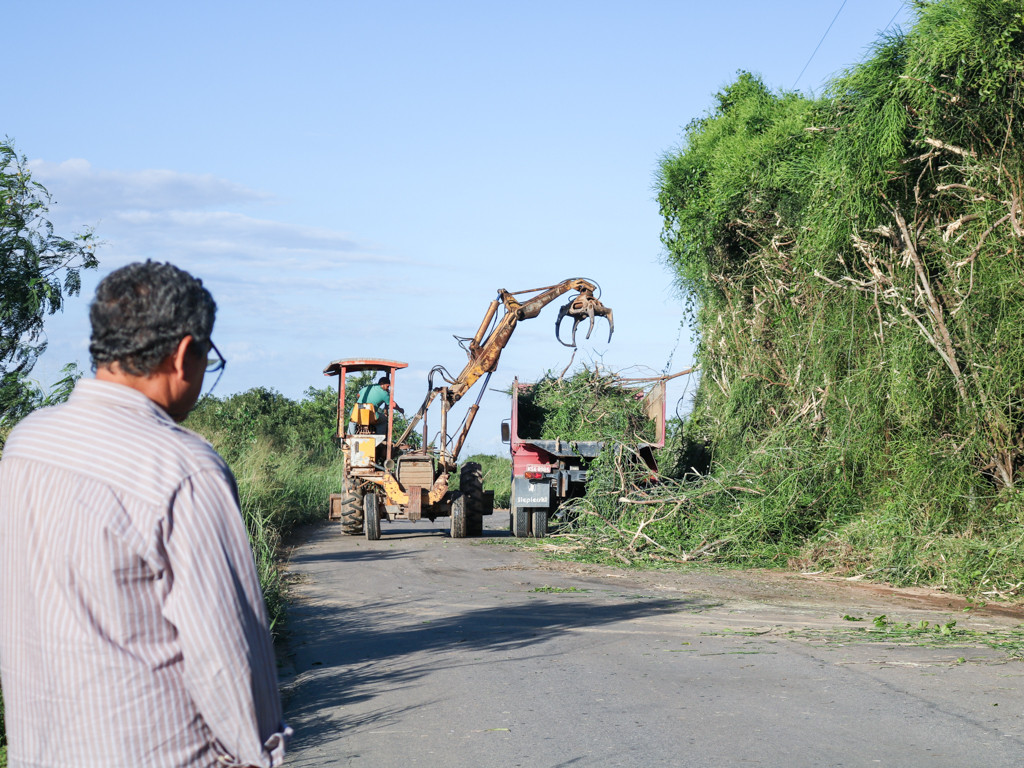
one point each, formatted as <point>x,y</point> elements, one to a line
<point>179,355</point>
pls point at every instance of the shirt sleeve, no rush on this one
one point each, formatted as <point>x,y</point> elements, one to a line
<point>380,399</point>
<point>214,601</point>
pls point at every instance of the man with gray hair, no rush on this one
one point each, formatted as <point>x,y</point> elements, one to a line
<point>132,627</point>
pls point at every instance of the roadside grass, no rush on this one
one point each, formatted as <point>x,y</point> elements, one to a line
<point>497,477</point>
<point>282,454</point>
<point>681,521</point>
<point>925,634</point>
<point>279,491</point>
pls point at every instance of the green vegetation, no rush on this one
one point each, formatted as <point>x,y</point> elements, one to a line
<point>857,282</point>
<point>38,270</point>
<point>285,461</point>
<point>924,633</point>
<point>497,475</point>
<point>589,405</point>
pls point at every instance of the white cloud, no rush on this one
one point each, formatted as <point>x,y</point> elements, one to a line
<point>91,192</point>
<point>285,291</point>
<point>191,220</point>
<point>231,228</point>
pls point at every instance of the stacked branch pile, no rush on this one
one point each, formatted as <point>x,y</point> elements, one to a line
<point>856,272</point>
<point>589,405</point>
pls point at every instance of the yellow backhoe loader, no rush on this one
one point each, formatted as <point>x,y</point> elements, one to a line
<point>388,479</point>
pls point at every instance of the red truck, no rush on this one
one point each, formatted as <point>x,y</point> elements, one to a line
<point>546,473</point>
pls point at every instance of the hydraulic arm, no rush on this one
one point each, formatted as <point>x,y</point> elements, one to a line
<point>485,346</point>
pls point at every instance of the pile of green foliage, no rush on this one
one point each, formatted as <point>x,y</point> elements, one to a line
<point>589,405</point>
<point>854,265</point>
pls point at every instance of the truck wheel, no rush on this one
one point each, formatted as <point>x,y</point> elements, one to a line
<point>459,518</point>
<point>540,524</point>
<point>520,521</point>
<point>372,516</point>
<point>471,483</point>
<point>351,513</point>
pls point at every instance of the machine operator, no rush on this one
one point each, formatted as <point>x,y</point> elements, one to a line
<point>378,395</point>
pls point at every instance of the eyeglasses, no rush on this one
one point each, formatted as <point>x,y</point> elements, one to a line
<point>215,363</point>
<point>214,359</point>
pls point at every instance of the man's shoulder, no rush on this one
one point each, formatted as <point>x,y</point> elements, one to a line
<point>42,422</point>
<point>122,445</point>
<point>195,447</point>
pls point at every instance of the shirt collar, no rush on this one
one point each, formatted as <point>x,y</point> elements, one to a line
<point>113,395</point>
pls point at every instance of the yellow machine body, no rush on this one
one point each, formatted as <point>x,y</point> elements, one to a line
<point>362,451</point>
<point>364,415</point>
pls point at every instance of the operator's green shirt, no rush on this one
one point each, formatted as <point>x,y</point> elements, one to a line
<point>377,396</point>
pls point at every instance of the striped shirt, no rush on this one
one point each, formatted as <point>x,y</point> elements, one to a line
<point>132,627</point>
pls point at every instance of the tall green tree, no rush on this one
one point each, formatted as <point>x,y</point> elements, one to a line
<point>39,269</point>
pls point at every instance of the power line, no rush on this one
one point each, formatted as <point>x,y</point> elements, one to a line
<point>820,42</point>
<point>893,17</point>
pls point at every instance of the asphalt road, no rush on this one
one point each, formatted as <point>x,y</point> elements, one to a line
<point>421,650</point>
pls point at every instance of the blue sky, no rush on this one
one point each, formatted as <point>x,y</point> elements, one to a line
<point>357,179</point>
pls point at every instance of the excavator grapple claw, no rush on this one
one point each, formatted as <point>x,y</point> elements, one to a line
<point>584,305</point>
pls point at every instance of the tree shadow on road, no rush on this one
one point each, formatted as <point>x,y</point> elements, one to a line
<point>350,556</point>
<point>434,530</point>
<point>354,654</point>
<point>329,711</point>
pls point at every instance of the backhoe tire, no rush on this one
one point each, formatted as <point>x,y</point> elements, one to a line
<point>351,513</point>
<point>371,513</point>
<point>471,483</point>
<point>520,521</point>
<point>539,529</point>
<point>459,519</point>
